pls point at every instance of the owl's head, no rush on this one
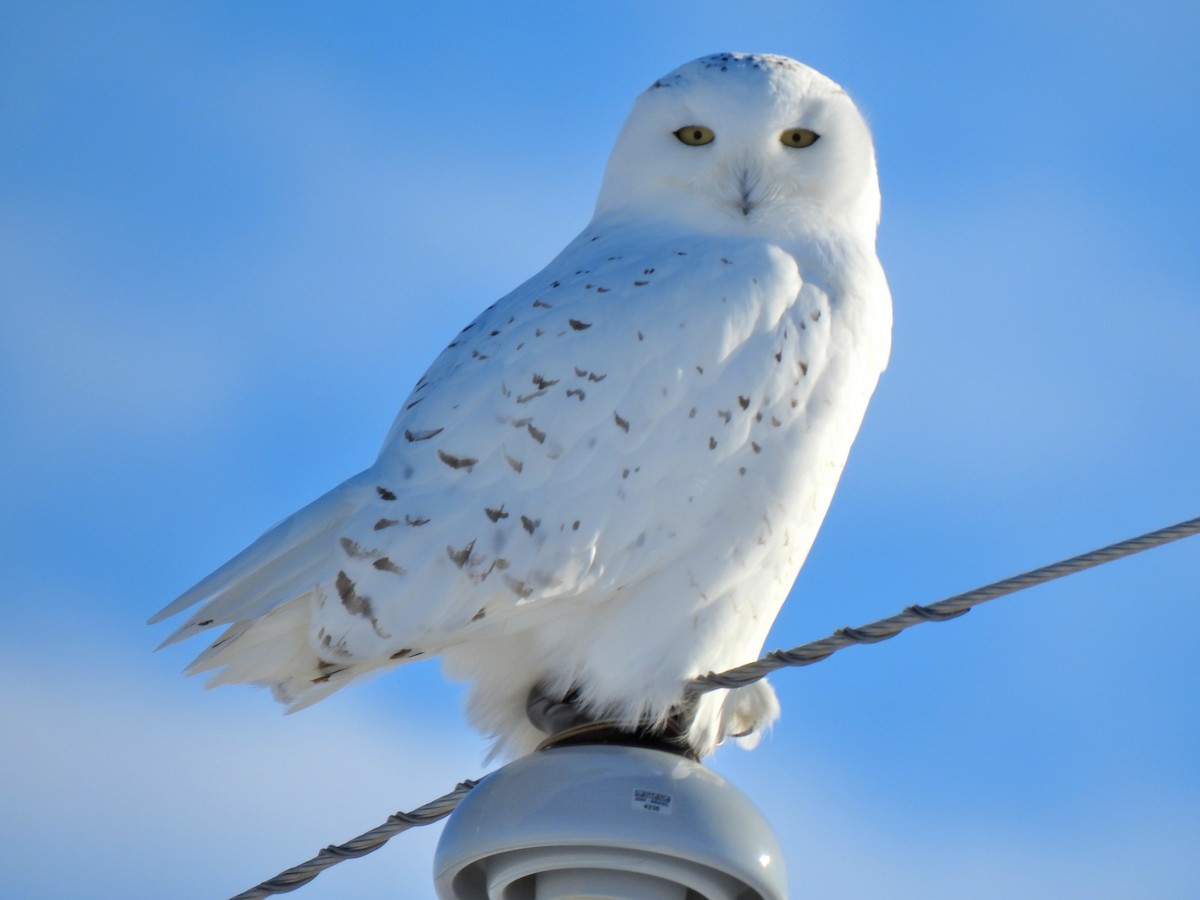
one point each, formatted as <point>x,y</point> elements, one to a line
<point>745,143</point>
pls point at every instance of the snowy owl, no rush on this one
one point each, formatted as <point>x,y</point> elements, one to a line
<point>607,482</point>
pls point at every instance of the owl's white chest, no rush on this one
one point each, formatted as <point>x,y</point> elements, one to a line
<point>683,490</point>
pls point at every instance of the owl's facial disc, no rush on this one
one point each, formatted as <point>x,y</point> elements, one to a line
<point>745,144</point>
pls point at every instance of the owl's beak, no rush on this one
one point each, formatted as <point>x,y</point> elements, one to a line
<point>747,181</point>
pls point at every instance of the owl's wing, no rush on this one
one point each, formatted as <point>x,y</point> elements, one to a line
<point>563,446</point>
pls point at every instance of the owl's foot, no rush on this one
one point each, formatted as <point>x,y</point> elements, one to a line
<point>566,722</point>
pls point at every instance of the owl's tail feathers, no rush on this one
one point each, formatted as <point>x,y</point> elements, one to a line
<point>287,562</point>
<point>265,595</point>
<point>274,651</point>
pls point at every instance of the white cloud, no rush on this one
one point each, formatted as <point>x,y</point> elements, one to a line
<point>120,780</point>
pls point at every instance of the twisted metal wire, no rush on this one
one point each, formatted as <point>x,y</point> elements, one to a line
<point>950,608</point>
<point>803,655</point>
<point>368,842</point>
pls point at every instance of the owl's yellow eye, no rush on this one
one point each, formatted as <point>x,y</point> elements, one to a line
<point>695,135</point>
<point>799,137</point>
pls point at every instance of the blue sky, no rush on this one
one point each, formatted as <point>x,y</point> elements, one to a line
<point>233,235</point>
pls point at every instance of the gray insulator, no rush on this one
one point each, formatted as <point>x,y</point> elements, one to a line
<point>607,823</point>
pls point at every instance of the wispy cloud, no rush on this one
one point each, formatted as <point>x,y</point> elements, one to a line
<point>119,780</point>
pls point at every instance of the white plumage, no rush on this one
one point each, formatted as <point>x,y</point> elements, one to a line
<point>609,480</point>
